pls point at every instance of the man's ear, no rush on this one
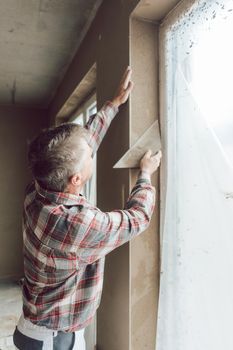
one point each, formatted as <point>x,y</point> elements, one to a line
<point>76,179</point>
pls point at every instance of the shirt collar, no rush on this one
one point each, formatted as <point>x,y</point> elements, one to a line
<point>60,197</point>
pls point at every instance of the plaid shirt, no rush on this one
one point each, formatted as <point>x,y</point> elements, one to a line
<point>66,240</point>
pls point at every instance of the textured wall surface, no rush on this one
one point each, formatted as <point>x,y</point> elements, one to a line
<point>37,42</point>
<point>17,125</point>
<point>144,251</point>
<point>154,10</point>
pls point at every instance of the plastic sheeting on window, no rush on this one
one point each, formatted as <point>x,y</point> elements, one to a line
<point>196,286</point>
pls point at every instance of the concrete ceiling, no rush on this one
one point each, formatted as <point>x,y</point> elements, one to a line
<point>38,39</point>
<point>154,10</point>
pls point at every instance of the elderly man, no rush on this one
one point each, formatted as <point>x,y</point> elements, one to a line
<point>65,237</point>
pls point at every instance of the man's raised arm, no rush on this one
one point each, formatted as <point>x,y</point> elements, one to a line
<point>99,123</point>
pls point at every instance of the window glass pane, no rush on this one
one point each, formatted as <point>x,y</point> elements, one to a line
<point>91,110</point>
<point>79,119</point>
<point>212,80</point>
<point>89,190</point>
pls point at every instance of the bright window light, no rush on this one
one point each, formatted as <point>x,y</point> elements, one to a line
<point>213,79</point>
<point>196,70</point>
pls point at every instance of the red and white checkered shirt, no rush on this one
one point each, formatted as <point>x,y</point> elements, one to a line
<point>66,240</point>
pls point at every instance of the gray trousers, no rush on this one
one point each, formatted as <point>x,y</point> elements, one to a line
<point>29,336</point>
<point>62,341</point>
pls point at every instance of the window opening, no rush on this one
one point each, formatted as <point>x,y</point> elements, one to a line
<point>195,304</point>
<point>83,114</point>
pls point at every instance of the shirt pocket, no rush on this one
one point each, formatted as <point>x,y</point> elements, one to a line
<point>64,261</point>
<point>58,264</point>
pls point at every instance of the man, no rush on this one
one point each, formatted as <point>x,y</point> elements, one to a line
<point>65,237</point>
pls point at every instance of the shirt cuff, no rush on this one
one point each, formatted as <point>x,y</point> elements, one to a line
<point>110,109</point>
<point>144,177</point>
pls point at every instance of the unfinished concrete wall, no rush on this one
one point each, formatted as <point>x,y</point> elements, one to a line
<point>144,251</point>
<point>113,185</point>
<point>17,125</point>
<point>127,314</point>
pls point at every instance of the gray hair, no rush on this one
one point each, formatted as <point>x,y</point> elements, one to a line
<point>56,154</point>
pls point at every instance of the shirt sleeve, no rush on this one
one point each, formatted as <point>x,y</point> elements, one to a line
<point>109,230</point>
<point>98,124</point>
